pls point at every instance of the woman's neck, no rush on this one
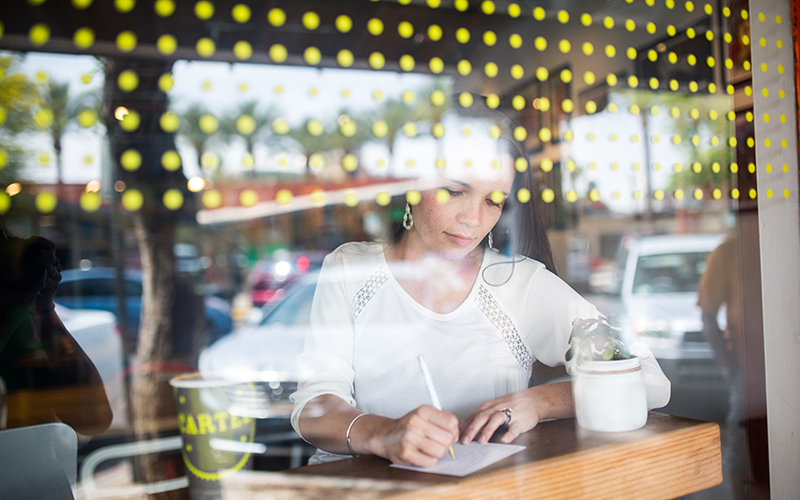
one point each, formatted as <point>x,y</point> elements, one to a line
<point>405,250</point>
<point>438,284</point>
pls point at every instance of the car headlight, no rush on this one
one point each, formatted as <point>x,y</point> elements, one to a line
<point>652,327</point>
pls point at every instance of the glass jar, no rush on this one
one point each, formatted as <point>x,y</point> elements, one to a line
<point>610,395</point>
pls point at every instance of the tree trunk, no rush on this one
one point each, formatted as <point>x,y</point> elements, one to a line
<point>59,167</point>
<point>154,226</point>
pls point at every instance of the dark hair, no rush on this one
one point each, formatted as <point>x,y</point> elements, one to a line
<point>527,232</point>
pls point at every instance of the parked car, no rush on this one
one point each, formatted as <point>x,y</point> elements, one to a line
<point>94,289</point>
<point>271,278</point>
<point>657,278</point>
<point>98,335</point>
<point>265,349</point>
<point>658,282</point>
<point>263,354</point>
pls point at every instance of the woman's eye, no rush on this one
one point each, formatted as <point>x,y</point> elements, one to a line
<point>492,203</point>
<point>452,192</point>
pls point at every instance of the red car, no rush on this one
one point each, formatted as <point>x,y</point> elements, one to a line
<point>270,279</point>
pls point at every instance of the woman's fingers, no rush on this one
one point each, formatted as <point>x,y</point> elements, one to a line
<point>496,419</point>
<point>425,435</point>
<point>485,421</point>
<point>441,418</point>
<point>514,430</point>
<point>445,437</point>
<point>411,454</point>
<point>434,449</point>
<point>476,422</point>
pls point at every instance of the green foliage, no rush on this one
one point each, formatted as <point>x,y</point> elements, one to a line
<point>694,120</point>
<point>594,339</point>
<point>14,157</point>
<point>19,99</point>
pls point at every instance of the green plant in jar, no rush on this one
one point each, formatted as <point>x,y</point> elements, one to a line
<point>593,339</point>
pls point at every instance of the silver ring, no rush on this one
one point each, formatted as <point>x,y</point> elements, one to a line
<point>508,412</point>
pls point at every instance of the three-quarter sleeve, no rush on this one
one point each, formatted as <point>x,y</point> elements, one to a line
<point>550,308</point>
<point>326,363</point>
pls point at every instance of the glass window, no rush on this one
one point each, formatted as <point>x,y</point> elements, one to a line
<point>217,153</point>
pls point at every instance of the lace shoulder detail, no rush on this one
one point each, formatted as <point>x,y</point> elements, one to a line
<point>504,325</point>
<point>367,291</point>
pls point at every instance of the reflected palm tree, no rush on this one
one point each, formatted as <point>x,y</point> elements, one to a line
<point>252,125</point>
<point>191,131</point>
<point>431,113</point>
<point>426,110</point>
<point>394,114</point>
<point>312,137</point>
<point>59,112</point>
<point>354,131</point>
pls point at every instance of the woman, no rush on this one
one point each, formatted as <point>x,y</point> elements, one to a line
<point>438,289</point>
<point>41,364</point>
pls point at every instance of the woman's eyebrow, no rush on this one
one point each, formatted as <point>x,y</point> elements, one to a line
<point>460,183</point>
<point>468,186</point>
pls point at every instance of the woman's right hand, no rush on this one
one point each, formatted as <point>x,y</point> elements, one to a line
<point>420,438</point>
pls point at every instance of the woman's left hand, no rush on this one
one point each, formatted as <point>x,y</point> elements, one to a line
<point>530,407</point>
<point>44,300</point>
<point>483,422</point>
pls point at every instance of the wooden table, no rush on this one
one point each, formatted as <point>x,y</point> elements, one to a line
<point>668,458</point>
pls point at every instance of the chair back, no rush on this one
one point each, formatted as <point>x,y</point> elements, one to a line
<point>40,461</point>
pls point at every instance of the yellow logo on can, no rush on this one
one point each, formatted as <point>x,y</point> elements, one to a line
<point>204,421</point>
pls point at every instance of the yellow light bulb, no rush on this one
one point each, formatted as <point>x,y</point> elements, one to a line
<point>241,13</point>
<point>405,29</point>
<point>407,62</point>
<point>375,26</point>
<point>376,60</point>
<point>345,58</point>
<point>205,47</point>
<point>166,44</point>
<point>83,38</point>
<point>312,56</point>
<point>126,41</point>
<point>310,20</point>
<point>39,34</point>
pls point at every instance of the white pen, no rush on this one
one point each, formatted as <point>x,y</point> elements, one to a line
<point>432,391</point>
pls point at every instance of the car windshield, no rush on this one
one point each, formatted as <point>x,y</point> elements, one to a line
<point>269,285</point>
<point>295,309</point>
<point>669,273</point>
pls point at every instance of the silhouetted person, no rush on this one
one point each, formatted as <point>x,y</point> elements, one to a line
<point>721,285</point>
<point>45,372</point>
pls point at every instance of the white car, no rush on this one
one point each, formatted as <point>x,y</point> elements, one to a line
<point>99,336</point>
<point>658,282</point>
<point>264,352</point>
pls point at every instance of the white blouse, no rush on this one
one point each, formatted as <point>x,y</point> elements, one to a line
<point>366,333</point>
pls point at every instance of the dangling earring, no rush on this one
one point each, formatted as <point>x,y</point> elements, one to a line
<point>491,240</point>
<point>408,218</point>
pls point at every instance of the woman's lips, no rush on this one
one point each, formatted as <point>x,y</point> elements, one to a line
<point>459,240</point>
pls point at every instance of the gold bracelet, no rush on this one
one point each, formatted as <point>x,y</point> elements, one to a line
<point>347,436</point>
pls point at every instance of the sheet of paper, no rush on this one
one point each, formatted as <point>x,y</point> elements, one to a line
<point>469,458</point>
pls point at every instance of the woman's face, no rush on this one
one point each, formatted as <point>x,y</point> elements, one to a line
<point>452,225</point>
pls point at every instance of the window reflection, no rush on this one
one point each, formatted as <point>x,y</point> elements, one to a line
<point>183,195</point>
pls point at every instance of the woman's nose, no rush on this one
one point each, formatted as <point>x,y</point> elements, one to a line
<point>470,214</point>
